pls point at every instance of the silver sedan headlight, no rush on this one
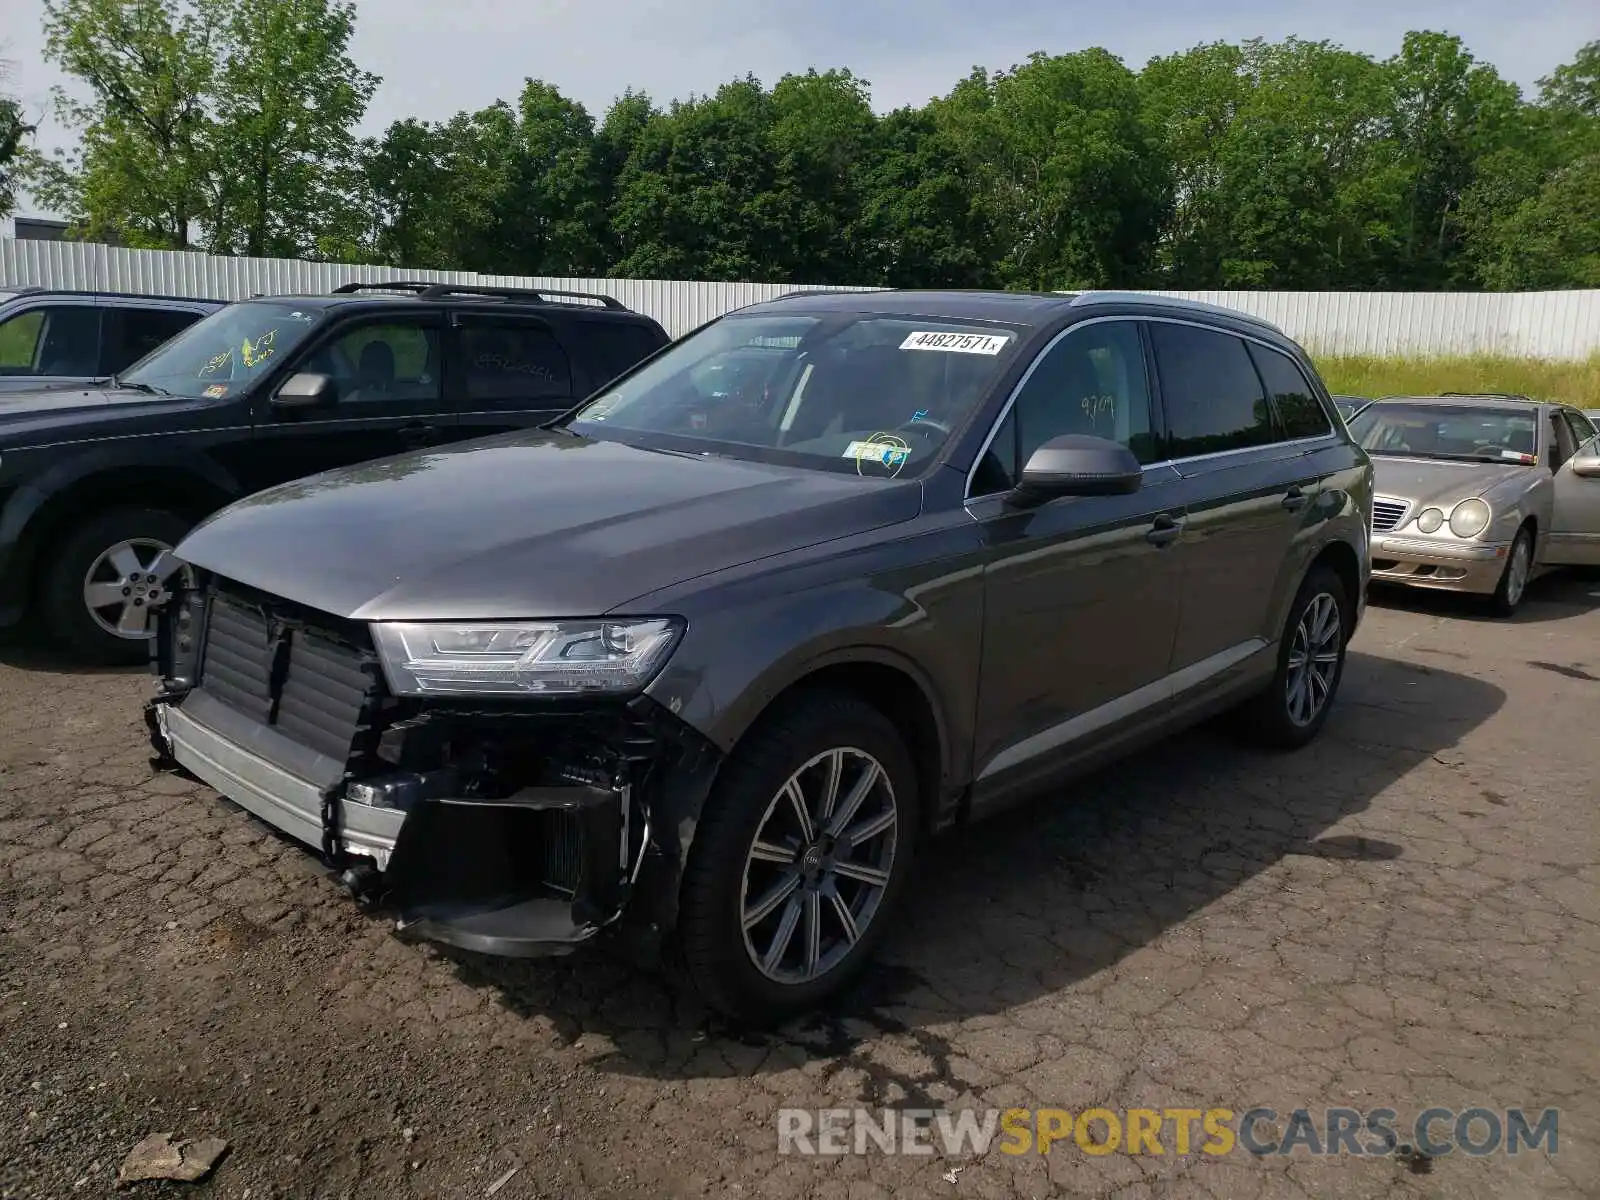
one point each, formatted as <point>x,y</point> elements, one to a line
<point>505,658</point>
<point>1469,518</point>
<point>1429,520</point>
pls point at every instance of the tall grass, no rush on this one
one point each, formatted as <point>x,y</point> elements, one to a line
<point>1576,383</point>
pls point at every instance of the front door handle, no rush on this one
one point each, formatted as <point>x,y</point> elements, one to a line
<point>1295,500</point>
<point>1164,531</point>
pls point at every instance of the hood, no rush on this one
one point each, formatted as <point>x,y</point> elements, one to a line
<point>527,525</point>
<point>1433,483</point>
<point>44,414</point>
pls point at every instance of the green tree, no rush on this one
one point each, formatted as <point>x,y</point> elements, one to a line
<point>1068,166</point>
<point>1451,112</point>
<point>695,200</point>
<point>14,128</point>
<point>287,100</point>
<point>922,223</point>
<point>146,153</point>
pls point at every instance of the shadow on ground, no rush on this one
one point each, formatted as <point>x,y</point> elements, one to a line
<point>1047,895</point>
<point>27,649</point>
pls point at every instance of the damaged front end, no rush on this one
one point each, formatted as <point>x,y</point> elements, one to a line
<point>507,827</point>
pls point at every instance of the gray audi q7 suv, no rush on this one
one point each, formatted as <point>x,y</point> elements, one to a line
<point>704,660</point>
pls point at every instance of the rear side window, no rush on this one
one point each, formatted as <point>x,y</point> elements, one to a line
<point>510,362</point>
<point>613,347</point>
<point>54,339</point>
<point>1299,411</point>
<point>131,333</point>
<point>1210,390</point>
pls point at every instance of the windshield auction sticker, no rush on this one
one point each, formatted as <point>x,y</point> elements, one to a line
<point>883,449</point>
<point>957,343</point>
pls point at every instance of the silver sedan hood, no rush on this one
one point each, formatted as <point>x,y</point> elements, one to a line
<point>1433,482</point>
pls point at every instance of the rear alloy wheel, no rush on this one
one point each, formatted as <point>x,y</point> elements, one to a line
<point>1514,579</point>
<point>804,846</point>
<point>99,590</point>
<point>1311,656</point>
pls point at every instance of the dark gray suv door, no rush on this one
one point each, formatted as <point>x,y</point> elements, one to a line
<point>1082,593</point>
<point>1248,486</point>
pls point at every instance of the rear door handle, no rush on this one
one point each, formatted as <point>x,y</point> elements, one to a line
<point>1295,500</point>
<point>1163,531</point>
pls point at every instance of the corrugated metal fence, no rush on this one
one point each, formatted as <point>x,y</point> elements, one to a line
<point>1549,325</point>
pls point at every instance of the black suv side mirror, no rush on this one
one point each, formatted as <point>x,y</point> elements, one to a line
<point>1078,465</point>
<point>306,390</point>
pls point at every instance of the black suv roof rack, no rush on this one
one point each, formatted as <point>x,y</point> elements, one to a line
<point>382,285</point>
<point>440,291</point>
<point>1491,396</point>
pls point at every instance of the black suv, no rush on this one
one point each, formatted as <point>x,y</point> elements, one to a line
<point>51,338</point>
<point>711,655</point>
<point>98,484</point>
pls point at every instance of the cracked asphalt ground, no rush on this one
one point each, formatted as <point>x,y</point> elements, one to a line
<point>1403,915</point>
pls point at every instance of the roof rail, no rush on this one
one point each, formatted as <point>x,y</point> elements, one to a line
<point>1491,396</point>
<point>1198,306</point>
<point>386,285</point>
<point>440,291</point>
<point>21,289</point>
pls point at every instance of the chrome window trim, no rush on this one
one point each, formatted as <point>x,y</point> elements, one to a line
<point>1011,400</point>
<point>1330,437</point>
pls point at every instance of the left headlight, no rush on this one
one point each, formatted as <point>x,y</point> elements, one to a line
<point>516,658</point>
<point>1469,518</point>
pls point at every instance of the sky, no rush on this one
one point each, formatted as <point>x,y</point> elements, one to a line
<point>438,57</point>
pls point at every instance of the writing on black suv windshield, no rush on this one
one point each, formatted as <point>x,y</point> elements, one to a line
<point>222,354</point>
<point>871,394</point>
<point>1448,431</point>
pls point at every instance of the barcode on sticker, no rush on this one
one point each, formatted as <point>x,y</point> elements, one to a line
<point>957,343</point>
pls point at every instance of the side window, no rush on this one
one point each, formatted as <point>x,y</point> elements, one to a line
<point>1210,391</point>
<point>19,342</point>
<point>613,347</point>
<point>997,469</point>
<point>1091,382</point>
<point>1582,428</point>
<point>395,361</point>
<point>131,333</point>
<point>1563,442</point>
<point>56,339</point>
<point>513,362</point>
<point>1299,411</point>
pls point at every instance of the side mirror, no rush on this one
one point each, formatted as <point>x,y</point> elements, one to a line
<point>1078,465</point>
<point>1587,465</point>
<point>306,390</point>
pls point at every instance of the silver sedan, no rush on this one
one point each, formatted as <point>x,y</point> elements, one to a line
<point>1480,493</point>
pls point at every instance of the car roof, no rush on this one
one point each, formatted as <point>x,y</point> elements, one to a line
<point>33,292</point>
<point>1013,308</point>
<point>373,297</point>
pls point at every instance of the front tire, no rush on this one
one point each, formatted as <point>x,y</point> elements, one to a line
<point>801,854</point>
<point>98,588</point>
<point>1311,654</point>
<point>1513,584</point>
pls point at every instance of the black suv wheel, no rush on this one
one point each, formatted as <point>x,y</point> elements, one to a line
<point>98,588</point>
<point>802,852</point>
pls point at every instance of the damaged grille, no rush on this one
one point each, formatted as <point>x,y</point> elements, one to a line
<point>312,685</point>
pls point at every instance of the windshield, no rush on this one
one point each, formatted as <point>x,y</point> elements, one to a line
<point>1447,431</point>
<point>224,353</point>
<point>876,395</point>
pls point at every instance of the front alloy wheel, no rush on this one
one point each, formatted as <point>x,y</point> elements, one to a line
<point>819,866</point>
<point>1514,581</point>
<point>125,582</point>
<point>798,858</point>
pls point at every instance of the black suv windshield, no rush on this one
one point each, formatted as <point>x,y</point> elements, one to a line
<point>1461,432</point>
<point>866,393</point>
<point>224,353</point>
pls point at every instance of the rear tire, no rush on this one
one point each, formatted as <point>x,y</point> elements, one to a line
<point>755,879</point>
<point>99,553</point>
<point>1513,586</point>
<point>1311,654</point>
